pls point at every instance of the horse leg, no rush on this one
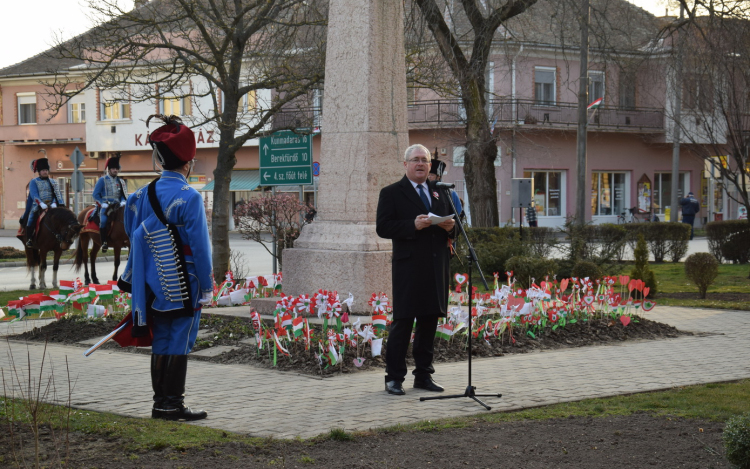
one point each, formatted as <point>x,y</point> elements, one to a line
<point>94,253</point>
<point>42,269</point>
<point>32,286</point>
<point>55,267</point>
<point>85,252</point>
<point>117,262</point>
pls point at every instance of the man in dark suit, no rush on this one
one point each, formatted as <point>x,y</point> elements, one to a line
<point>421,254</point>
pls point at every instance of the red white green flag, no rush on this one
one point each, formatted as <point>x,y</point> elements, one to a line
<point>444,331</point>
<point>105,292</point>
<point>297,325</point>
<point>595,104</point>
<point>379,321</point>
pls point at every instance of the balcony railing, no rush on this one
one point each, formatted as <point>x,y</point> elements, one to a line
<point>42,133</point>
<point>505,113</point>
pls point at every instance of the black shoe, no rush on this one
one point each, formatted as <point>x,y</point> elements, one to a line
<point>428,384</point>
<point>30,243</point>
<point>105,246</point>
<point>394,387</point>
<point>176,410</point>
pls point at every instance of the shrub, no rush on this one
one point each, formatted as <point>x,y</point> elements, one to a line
<point>664,239</point>
<point>539,240</point>
<point>702,268</point>
<point>584,269</point>
<point>494,246</point>
<point>7,252</point>
<point>611,240</point>
<point>600,244</point>
<point>641,270</point>
<point>722,237</point>
<point>737,440</point>
<point>528,269</point>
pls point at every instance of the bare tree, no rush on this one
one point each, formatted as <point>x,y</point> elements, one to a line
<point>465,51</point>
<point>221,54</point>
<point>715,115</point>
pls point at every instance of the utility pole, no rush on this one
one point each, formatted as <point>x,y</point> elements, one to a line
<point>674,201</point>
<point>582,116</point>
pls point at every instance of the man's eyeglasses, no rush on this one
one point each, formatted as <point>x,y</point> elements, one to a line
<point>419,160</point>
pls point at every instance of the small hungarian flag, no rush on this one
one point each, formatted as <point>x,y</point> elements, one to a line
<point>333,355</point>
<point>47,303</point>
<point>444,331</point>
<point>105,292</point>
<point>379,321</point>
<point>56,294</point>
<point>80,296</point>
<point>279,346</point>
<point>67,287</point>
<point>297,325</point>
<point>595,104</point>
<point>113,283</point>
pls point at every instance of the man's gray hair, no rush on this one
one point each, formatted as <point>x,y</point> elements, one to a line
<point>410,150</point>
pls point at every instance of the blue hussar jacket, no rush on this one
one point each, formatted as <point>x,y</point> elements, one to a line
<point>166,272</point>
<point>45,190</point>
<point>110,190</point>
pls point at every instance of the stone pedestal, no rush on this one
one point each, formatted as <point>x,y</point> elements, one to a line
<point>364,135</point>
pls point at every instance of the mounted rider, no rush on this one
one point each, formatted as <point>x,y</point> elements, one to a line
<point>109,189</point>
<point>44,192</point>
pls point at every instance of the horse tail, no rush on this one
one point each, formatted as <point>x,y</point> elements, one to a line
<point>32,259</point>
<point>79,255</point>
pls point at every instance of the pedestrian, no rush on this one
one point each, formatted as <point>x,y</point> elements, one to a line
<point>169,267</point>
<point>531,215</point>
<point>44,192</point>
<point>690,208</point>
<point>109,190</point>
<point>420,269</point>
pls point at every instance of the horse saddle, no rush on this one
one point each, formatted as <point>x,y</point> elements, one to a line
<point>22,229</point>
<point>92,222</point>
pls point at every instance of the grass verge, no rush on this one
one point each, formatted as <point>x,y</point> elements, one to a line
<point>716,401</point>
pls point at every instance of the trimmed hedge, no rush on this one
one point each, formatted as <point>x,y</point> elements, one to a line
<point>7,252</point>
<point>530,269</point>
<point>665,240</point>
<point>729,240</point>
<point>494,246</point>
<point>584,269</point>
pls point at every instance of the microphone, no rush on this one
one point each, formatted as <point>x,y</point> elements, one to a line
<point>445,185</point>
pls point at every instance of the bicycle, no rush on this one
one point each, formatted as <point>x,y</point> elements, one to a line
<point>628,216</point>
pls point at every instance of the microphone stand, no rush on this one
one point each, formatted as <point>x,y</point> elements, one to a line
<point>470,391</point>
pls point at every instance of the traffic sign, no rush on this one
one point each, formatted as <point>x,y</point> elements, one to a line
<point>76,181</point>
<point>316,168</point>
<point>285,159</point>
<point>76,157</point>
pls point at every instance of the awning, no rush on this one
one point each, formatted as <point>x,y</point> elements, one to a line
<point>242,180</point>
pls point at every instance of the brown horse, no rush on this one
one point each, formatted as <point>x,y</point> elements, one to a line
<point>117,240</point>
<point>57,232</point>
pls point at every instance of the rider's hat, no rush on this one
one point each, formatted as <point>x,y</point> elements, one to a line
<point>40,164</point>
<point>114,162</point>
<point>173,143</point>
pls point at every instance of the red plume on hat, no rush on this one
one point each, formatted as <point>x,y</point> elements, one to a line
<point>174,141</point>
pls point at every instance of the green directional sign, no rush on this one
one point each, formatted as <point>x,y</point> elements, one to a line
<point>286,159</point>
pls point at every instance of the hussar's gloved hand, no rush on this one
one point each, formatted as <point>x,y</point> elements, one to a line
<point>43,205</point>
<point>122,204</point>
<point>105,205</point>
<point>54,205</point>
<point>207,298</point>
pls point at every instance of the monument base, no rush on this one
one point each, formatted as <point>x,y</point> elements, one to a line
<point>360,273</point>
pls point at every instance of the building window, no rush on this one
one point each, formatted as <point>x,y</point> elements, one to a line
<point>663,190</point>
<point>173,106</point>
<point>113,107</point>
<point>596,86</point>
<point>76,113</point>
<point>460,152</point>
<point>608,193</point>
<point>544,86</point>
<point>627,90</point>
<point>26,108</point>
<point>697,92</point>
<point>548,192</point>
<point>317,96</point>
<point>250,101</point>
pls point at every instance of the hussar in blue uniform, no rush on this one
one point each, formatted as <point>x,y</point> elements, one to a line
<point>109,190</point>
<point>169,267</point>
<point>43,193</point>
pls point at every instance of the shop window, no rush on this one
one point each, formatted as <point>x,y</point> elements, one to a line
<point>663,190</point>
<point>548,193</point>
<point>608,193</point>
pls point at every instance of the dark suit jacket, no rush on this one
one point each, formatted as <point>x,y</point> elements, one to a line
<point>420,257</point>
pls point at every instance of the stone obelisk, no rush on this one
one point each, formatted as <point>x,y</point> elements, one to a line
<point>364,135</point>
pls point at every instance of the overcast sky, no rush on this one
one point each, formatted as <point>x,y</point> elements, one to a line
<point>31,25</point>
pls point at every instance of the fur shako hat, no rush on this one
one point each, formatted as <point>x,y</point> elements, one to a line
<point>40,164</point>
<point>114,162</point>
<point>437,167</point>
<point>173,143</point>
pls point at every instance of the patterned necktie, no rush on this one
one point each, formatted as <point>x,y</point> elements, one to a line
<point>423,196</point>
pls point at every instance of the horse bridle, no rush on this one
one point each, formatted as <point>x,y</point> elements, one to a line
<point>58,236</point>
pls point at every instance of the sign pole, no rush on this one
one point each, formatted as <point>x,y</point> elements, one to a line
<point>273,232</point>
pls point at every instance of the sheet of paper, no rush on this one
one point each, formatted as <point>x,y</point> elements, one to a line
<point>436,219</point>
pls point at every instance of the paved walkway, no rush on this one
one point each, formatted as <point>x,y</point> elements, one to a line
<point>270,403</point>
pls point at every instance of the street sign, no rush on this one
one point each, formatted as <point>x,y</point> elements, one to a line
<point>76,181</point>
<point>76,157</point>
<point>286,159</point>
<point>316,168</point>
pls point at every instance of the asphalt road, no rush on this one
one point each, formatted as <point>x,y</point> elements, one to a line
<point>255,259</point>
